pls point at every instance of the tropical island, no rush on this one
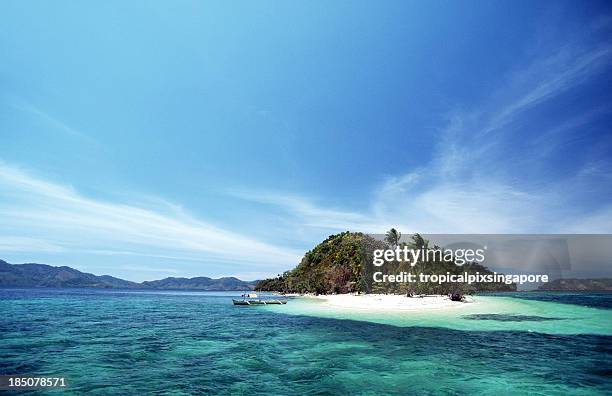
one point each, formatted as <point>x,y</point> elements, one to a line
<point>341,266</point>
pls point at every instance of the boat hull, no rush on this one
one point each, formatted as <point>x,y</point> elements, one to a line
<point>259,302</point>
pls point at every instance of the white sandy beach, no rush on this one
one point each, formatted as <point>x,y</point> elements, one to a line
<point>389,302</point>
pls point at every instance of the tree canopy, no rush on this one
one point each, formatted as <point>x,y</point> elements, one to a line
<point>342,263</point>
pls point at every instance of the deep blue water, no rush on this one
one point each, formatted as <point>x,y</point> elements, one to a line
<point>113,342</point>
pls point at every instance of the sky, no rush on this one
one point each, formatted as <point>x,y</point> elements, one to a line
<point>148,139</point>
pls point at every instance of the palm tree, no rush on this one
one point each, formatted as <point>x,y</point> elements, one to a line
<point>419,242</point>
<point>392,237</point>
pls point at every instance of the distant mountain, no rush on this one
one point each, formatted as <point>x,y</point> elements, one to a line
<point>201,283</point>
<point>602,284</point>
<point>42,275</point>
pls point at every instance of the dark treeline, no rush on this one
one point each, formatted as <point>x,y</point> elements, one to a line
<point>343,263</point>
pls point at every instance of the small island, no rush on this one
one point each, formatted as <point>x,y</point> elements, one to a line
<point>339,270</point>
<point>573,284</point>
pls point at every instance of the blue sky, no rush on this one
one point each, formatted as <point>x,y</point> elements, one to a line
<point>152,139</point>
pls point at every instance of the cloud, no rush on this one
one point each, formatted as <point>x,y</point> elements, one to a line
<point>53,216</point>
<point>597,222</point>
<point>548,78</point>
<point>310,214</point>
<point>24,244</point>
<point>53,122</point>
<point>473,184</point>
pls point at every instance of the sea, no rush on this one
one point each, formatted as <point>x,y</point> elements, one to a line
<point>127,342</point>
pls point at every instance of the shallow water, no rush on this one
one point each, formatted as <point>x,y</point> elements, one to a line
<point>193,343</point>
<point>484,313</point>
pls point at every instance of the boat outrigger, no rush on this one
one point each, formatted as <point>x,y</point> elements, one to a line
<point>252,299</point>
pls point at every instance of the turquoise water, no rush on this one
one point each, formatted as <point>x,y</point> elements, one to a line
<point>485,313</point>
<point>109,342</point>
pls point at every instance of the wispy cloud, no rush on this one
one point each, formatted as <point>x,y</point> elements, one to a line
<point>471,185</point>
<point>547,78</point>
<point>25,244</point>
<point>51,121</point>
<point>57,216</point>
<point>309,213</point>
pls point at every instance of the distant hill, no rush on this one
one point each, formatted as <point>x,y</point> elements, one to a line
<point>201,283</point>
<point>42,275</point>
<point>603,284</point>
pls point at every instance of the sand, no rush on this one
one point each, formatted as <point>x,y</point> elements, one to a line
<point>388,302</point>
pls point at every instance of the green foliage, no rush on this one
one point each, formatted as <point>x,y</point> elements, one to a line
<point>333,266</point>
<point>343,263</point>
<point>392,237</point>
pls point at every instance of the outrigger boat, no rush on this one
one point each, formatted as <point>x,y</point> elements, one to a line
<point>252,299</point>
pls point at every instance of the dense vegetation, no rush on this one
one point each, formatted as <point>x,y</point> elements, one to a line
<point>343,263</point>
<point>333,266</point>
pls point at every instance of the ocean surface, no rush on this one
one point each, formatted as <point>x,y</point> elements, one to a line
<point>180,343</point>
